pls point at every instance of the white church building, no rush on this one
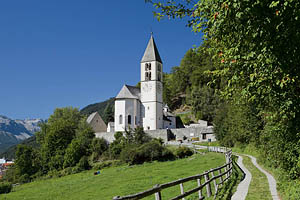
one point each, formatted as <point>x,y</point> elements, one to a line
<point>144,107</point>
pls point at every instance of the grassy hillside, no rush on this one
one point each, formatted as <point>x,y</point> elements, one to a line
<point>115,181</point>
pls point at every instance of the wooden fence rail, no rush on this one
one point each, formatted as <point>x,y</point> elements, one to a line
<point>209,177</point>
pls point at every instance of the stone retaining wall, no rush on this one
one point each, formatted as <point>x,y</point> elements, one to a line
<point>203,134</point>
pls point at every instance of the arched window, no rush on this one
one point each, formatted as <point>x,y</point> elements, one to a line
<point>146,76</point>
<point>147,66</point>
<point>129,119</point>
<point>120,119</point>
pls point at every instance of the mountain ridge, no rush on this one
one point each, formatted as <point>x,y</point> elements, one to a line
<point>15,131</point>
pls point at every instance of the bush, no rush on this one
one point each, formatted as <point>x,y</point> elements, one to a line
<point>5,187</point>
<point>147,152</point>
<point>52,174</point>
<point>130,154</point>
<point>83,163</point>
<point>99,146</point>
<point>183,152</point>
<point>25,178</point>
<point>108,163</point>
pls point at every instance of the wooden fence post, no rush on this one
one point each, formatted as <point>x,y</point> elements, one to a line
<point>157,194</point>
<point>215,183</point>
<point>221,178</point>
<point>181,189</point>
<point>226,170</point>
<point>208,189</point>
<point>199,184</point>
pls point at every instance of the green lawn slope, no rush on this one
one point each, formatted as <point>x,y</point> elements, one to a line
<point>122,180</point>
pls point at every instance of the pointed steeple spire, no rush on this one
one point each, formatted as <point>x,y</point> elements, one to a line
<point>151,52</point>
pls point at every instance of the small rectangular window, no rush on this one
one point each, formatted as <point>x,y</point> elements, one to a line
<point>129,119</point>
<point>120,119</point>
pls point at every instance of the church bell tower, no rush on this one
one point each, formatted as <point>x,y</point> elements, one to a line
<point>151,88</point>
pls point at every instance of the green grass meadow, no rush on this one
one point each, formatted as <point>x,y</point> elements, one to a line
<point>122,180</point>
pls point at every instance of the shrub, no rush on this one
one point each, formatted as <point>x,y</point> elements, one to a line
<point>99,146</point>
<point>83,163</point>
<point>52,174</point>
<point>167,155</point>
<point>147,152</point>
<point>5,187</point>
<point>25,178</point>
<point>130,154</point>
<point>183,152</point>
<point>108,163</point>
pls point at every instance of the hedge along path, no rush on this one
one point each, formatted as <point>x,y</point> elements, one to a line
<point>243,187</point>
<point>271,179</point>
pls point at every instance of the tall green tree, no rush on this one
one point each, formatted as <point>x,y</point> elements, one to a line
<point>56,135</point>
<point>257,46</point>
<point>27,161</point>
<point>80,146</point>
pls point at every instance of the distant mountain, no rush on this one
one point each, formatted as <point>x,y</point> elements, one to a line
<point>14,131</point>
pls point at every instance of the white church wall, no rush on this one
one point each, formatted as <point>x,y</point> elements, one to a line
<point>159,90</point>
<point>137,119</point>
<point>148,91</point>
<point>119,110</point>
<point>149,121</point>
<point>132,109</point>
<point>159,115</point>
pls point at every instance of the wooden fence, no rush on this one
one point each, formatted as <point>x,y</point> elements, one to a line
<point>216,176</point>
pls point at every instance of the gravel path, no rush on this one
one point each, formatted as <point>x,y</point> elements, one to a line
<point>242,189</point>
<point>271,179</point>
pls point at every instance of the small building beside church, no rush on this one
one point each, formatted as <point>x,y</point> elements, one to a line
<point>144,107</point>
<point>96,122</point>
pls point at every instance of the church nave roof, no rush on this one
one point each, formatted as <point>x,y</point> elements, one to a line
<point>129,92</point>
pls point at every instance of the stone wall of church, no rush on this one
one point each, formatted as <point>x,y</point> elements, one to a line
<point>204,134</point>
<point>109,136</point>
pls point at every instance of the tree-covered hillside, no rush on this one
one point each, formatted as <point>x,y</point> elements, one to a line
<point>255,51</point>
<point>11,151</point>
<point>105,109</point>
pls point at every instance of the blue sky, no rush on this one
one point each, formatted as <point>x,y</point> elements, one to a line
<point>57,53</point>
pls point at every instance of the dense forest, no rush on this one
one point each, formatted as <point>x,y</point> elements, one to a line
<point>254,80</point>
